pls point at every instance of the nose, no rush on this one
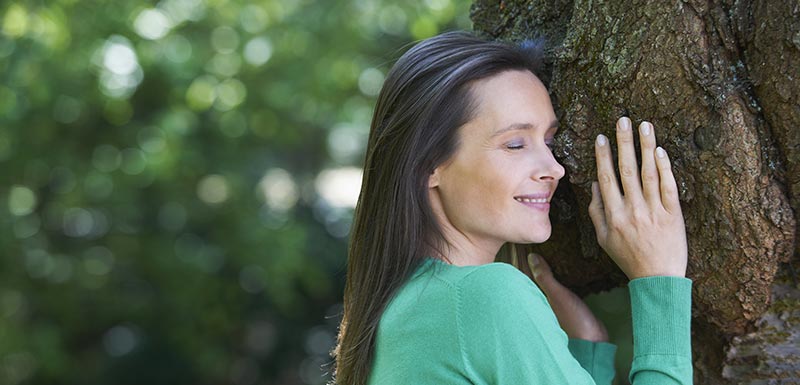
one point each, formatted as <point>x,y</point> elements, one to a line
<point>548,168</point>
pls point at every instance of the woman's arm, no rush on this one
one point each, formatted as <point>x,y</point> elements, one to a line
<point>573,315</point>
<point>643,231</point>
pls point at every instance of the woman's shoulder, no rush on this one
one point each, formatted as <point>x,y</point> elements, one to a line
<point>493,283</point>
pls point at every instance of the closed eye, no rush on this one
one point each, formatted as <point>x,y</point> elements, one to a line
<point>551,143</point>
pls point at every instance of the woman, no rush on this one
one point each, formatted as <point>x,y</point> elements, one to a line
<point>458,165</point>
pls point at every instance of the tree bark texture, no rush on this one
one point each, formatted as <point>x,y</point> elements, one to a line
<point>720,81</point>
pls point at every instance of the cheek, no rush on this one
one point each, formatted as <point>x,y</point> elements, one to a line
<point>487,185</point>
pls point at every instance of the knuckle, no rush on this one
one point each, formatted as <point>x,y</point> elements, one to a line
<point>671,194</point>
<point>627,171</point>
<point>649,176</point>
<point>617,226</point>
<point>605,178</point>
<point>625,137</point>
<point>616,221</point>
<point>642,216</point>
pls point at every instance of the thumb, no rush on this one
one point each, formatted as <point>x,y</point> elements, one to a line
<point>535,264</point>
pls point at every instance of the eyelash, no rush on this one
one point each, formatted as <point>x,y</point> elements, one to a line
<point>514,147</point>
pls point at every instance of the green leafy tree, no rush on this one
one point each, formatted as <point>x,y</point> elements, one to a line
<point>178,179</point>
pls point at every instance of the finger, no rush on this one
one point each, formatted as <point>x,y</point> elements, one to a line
<point>628,167</point>
<point>607,180</point>
<point>533,263</point>
<point>597,213</point>
<point>650,179</point>
<point>669,189</point>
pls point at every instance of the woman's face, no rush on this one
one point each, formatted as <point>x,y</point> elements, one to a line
<point>497,186</point>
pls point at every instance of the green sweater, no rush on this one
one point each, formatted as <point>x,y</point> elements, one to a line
<point>490,324</point>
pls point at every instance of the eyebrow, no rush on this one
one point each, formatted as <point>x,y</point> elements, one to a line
<point>522,126</point>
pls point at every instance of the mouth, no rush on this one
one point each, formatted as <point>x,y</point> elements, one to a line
<point>539,201</point>
<point>531,200</point>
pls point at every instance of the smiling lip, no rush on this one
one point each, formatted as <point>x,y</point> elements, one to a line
<point>538,201</point>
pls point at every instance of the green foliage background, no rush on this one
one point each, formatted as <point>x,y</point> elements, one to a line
<point>174,198</point>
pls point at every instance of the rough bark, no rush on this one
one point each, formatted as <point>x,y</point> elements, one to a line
<point>720,81</point>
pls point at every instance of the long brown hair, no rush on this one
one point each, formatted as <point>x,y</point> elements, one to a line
<point>424,100</point>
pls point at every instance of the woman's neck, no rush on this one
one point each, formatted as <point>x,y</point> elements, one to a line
<point>462,248</point>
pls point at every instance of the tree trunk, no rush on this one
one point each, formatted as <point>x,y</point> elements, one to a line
<point>720,81</point>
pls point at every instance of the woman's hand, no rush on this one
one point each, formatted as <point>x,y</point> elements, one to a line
<point>572,313</point>
<point>643,231</point>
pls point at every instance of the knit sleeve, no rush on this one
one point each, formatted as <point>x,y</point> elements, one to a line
<point>508,333</point>
<point>596,357</point>
<point>661,311</point>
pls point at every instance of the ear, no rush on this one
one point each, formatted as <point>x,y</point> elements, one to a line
<point>433,179</point>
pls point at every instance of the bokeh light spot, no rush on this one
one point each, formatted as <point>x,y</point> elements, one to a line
<point>178,48</point>
<point>120,71</point>
<point>21,200</point>
<point>253,18</point>
<point>180,11</point>
<point>106,158</point>
<point>15,22</point>
<point>213,189</point>
<point>225,64</point>
<point>78,222</point>
<point>230,94</point>
<point>224,39</point>
<point>98,260</point>
<point>201,93</point>
<point>278,189</point>
<point>38,263</point>
<point>392,19</point>
<point>370,81</point>
<point>151,139</point>
<point>339,187</point>
<point>233,124</point>
<point>133,161</point>
<point>152,24</point>
<point>27,226</point>
<point>258,51</point>
<point>120,340</point>
<point>346,142</point>
<point>98,185</point>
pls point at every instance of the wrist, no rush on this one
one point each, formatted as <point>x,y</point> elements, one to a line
<point>658,273</point>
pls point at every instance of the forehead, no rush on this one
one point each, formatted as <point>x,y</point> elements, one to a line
<point>510,97</point>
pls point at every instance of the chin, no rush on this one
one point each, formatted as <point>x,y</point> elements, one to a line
<point>538,237</point>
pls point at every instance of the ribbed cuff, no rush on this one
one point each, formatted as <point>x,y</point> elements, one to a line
<point>596,357</point>
<point>661,308</point>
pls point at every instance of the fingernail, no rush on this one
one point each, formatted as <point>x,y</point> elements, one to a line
<point>624,124</point>
<point>660,152</point>
<point>601,140</point>
<point>534,259</point>
<point>645,127</point>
